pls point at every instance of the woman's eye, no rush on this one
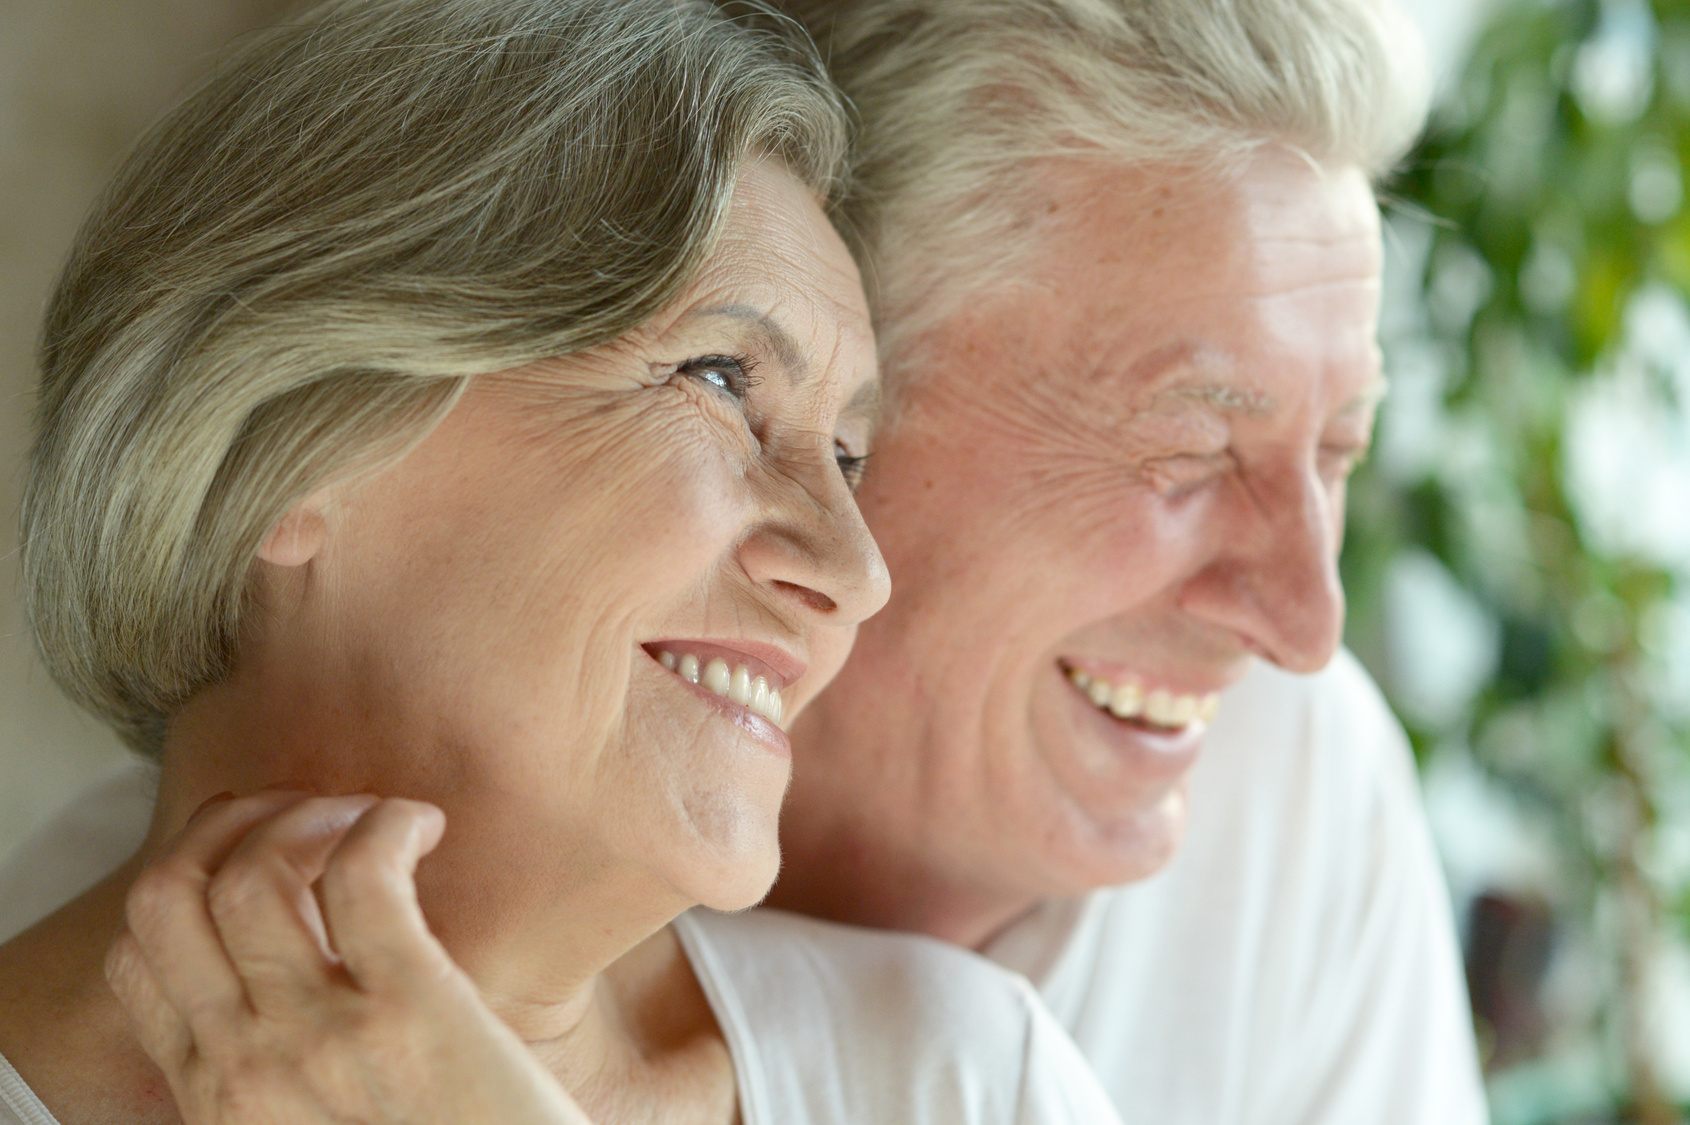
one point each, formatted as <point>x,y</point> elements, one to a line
<point>850,467</point>
<point>727,373</point>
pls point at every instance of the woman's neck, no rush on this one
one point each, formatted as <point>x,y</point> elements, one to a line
<point>638,1043</point>
<point>574,954</point>
<point>532,909</point>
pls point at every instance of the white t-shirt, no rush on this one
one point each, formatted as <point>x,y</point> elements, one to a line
<point>1296,964</point>
<point>833,1025</point>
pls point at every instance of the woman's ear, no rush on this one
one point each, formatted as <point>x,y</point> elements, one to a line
<point>298,535</point>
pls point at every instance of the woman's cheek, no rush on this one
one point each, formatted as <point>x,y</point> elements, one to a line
<point>666,503</point>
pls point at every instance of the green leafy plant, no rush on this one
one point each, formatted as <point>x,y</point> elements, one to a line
<point>1533,480</point>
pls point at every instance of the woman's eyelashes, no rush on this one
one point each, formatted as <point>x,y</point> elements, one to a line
<point>730,374</point>
<point>851,467</point>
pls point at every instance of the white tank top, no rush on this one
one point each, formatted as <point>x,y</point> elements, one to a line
<point>18,1103</point>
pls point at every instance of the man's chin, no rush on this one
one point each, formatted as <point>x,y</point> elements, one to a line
<point>1131,846</point>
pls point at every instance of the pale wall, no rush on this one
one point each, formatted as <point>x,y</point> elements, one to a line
<point>79,79</point>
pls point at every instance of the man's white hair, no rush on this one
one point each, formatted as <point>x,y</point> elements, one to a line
<point>959,99</point>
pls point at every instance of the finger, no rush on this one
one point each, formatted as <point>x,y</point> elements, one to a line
<point>171,922</point>
<point>159,1027</point>
<point>263,905</point>
<point>370,897</point>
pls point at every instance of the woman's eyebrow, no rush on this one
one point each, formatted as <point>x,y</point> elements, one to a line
<point>867,402</point>
<point>786,349</point>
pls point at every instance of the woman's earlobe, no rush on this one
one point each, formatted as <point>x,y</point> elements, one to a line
<point>296,538</point>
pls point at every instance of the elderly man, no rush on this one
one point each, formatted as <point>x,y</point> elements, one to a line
<point>1125,255</point>
<point>1126,262</point>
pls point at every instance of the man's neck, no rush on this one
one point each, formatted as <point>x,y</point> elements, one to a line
<point>845,872</point>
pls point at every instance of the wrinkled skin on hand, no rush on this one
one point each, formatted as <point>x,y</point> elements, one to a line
<point>276,967</point>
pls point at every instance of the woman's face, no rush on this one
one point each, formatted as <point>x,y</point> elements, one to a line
<point>495,608</point>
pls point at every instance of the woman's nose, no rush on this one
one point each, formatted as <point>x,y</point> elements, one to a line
<point>815,551</point>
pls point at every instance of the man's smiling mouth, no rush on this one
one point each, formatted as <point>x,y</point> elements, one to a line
<point>1157,707</point>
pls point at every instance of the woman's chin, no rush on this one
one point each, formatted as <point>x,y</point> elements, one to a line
<point>741,884</point>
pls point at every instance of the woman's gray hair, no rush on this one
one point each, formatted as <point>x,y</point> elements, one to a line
<point>297,271</point>
<point>958,102</point>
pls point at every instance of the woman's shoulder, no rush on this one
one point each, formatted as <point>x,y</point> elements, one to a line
<point>840,1023</point>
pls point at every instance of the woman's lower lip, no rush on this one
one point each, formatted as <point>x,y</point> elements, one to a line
<point>743,717</point>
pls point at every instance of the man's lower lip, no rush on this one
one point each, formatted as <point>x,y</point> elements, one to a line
<point>1164,752</point>
<point>745,718</point>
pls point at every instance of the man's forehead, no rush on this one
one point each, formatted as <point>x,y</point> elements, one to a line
<point>1276,223</point>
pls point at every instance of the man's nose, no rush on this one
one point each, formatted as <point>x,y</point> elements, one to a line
<point>1273,575</point>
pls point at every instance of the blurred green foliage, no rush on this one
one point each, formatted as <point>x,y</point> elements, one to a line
<point>1543,231</point>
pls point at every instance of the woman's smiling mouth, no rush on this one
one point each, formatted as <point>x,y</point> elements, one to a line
<point>737,677</point>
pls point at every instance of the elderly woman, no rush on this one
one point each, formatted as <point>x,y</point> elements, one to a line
<point>447,428</point>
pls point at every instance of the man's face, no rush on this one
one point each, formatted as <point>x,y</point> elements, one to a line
<point>1112,483</point>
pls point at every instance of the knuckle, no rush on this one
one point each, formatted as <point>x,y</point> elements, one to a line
<point>233,889</point>
<point>368,864</point>
<point>153,894</point>
<point>122,960</point>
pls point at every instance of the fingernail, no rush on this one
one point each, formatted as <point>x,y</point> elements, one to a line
<point>209,801</point>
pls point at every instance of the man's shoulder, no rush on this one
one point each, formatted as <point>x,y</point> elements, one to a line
<point>1305,906</point>
<point>1272,705</point>
<point>1298,776</point>
<point>1324,742</point>
<point>912,983</point>
<point>915,1029</point>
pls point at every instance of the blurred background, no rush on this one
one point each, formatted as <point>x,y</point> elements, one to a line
<point>1519,551</point>
<point>79,80</point>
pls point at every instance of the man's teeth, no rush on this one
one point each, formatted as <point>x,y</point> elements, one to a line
<point>1161,707</point>
<point>737,684</point>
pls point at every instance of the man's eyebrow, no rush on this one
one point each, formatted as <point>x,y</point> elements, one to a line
<point>1367,398</point>
<point>1166,373</point>
<point>1166,369</point>
<point>1226,398</point>
<point>779,340</point>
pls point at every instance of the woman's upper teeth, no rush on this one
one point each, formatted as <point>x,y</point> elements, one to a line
<point>1129,700</point>
<point>736,684</point>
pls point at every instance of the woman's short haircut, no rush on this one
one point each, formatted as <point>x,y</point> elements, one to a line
<point>957,101</point>
<point>296,272</point>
